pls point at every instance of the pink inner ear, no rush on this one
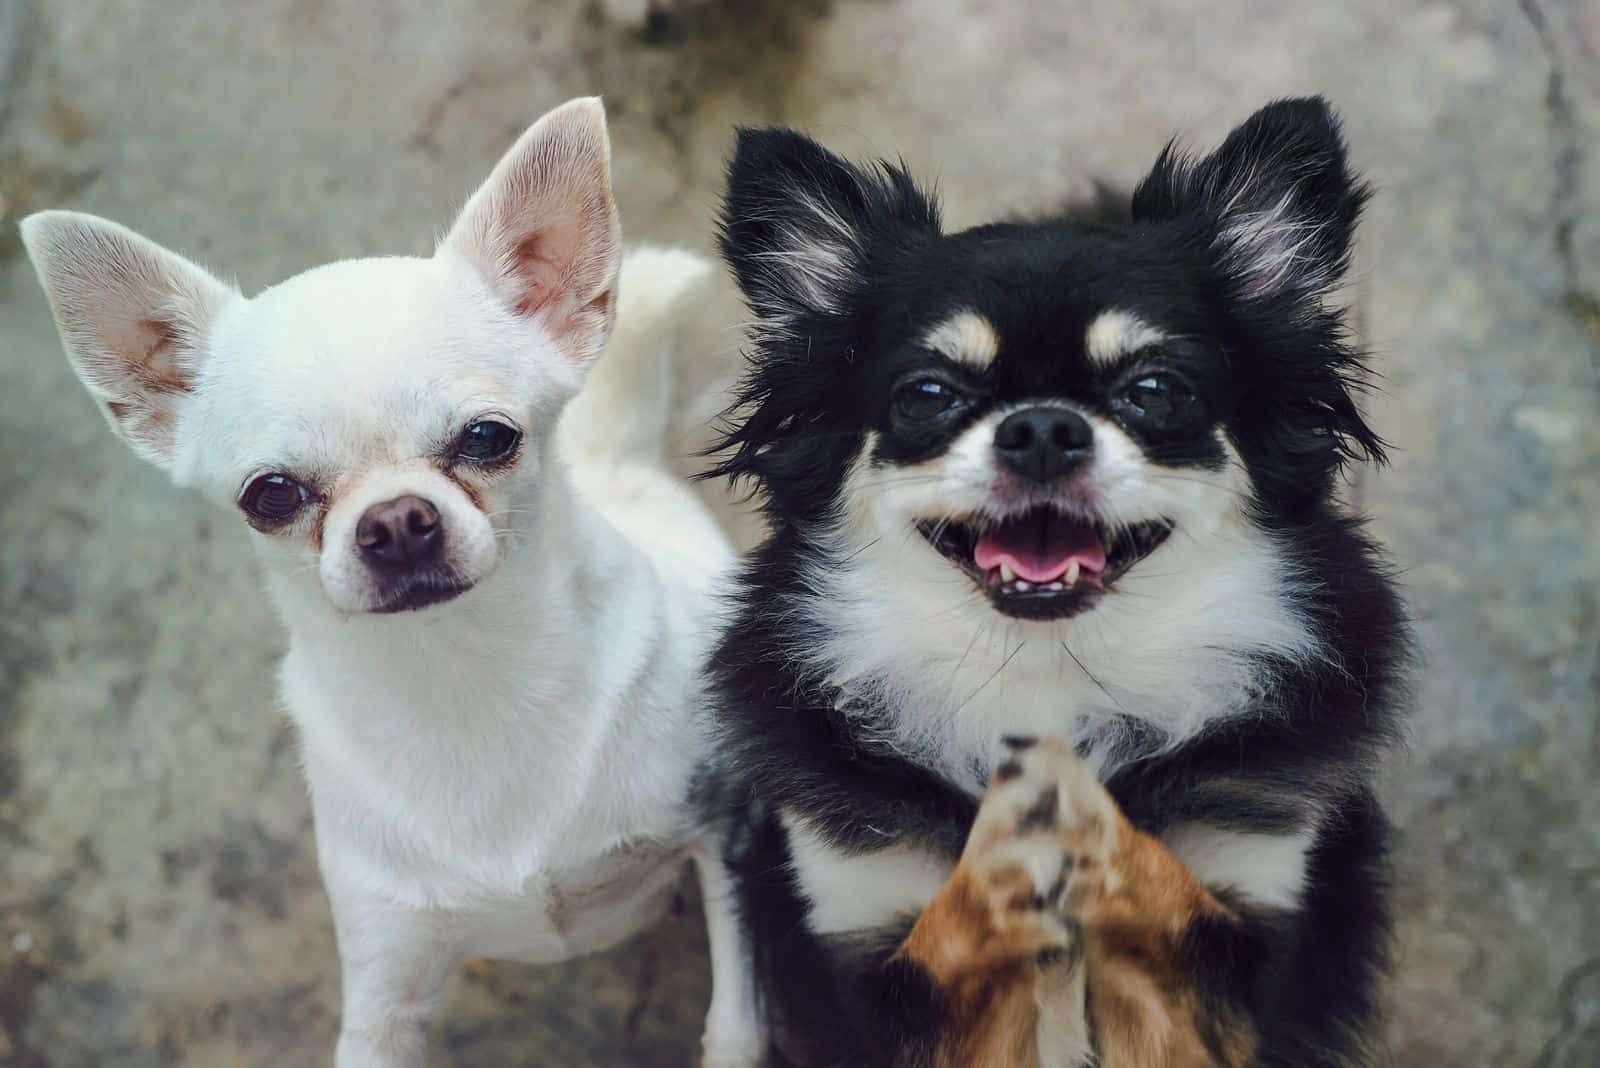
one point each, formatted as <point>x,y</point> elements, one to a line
<point>146,375</point>
<point>149,367</point>
<point>150,352</point>
<point>161,370</point>
<point>538,270</point>
<point>551,274</point>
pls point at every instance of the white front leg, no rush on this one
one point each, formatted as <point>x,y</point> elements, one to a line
<point>735,1035</point>
<point>394,963</point>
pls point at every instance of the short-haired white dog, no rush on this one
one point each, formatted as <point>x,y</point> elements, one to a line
<point>497,628</point>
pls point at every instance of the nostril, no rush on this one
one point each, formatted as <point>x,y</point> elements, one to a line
<point>1014,435</point>
<point>421,521</point>
<point>1071,433</point>
<point>372,532</point>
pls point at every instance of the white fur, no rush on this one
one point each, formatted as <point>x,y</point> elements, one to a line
<point>966,337</point>
<point>1171,645</point>
<point>1268,869</point>
<point>812,262</point>
<point>506,773</point>
<point>1115,334</point>
<point>859,891</point>
<point>1273,247</point>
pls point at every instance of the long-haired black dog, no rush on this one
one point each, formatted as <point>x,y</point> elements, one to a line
<point>1070,481</point>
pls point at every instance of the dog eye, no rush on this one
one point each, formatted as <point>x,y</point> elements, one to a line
<point>272,500</point>
<point>1160,401</point>
<point>924,398</point>
<point>487,441</point>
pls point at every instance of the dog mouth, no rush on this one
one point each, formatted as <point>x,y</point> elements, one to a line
<point>1044,564</point>
<point>417,590</point>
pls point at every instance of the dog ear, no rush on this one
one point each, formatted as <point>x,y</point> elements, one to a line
<point>133,318</point>
<point>1278,197</point>
<point>799,224</point>
<point>543,229</point>
<point>1278,204</point>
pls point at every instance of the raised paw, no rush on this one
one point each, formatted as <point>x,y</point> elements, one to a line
<point>1039,854</point>
<point>1044,836</point>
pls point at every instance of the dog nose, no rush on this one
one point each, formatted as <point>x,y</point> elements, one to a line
<point>1043,443</point>
<point>403,532</point>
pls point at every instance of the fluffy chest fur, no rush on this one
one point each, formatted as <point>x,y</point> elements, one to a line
<point>547,728</point>
<point>935,674</point>
<point>444,791</point>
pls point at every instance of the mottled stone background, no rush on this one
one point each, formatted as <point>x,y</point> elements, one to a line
<point>159,903</point>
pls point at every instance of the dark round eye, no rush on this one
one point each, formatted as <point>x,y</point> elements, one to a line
<point>921,399</point>
<point>273,499</point>
<point>486,441</point>
<point>1160,401</point>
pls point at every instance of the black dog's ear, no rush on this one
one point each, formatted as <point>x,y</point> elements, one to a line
<point>1278,196</point>
<point>800,224</point>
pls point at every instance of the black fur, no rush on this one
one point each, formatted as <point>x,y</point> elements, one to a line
<point>1267,356</point>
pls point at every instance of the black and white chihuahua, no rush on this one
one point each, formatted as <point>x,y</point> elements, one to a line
<point>1051,708</point>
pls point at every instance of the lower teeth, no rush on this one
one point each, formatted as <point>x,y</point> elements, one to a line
<point>1024,586</point>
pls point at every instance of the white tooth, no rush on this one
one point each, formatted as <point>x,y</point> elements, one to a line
<point>1071,577</point>
<point>1006,574</point>
<point>1055,587</point>
<point>1023,584</point>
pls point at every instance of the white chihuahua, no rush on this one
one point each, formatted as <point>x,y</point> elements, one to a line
<point>496,629</point>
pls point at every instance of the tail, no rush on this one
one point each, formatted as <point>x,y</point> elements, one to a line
<point>624,410</point>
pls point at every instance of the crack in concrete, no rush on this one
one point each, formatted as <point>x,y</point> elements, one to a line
<point>1567,167</point>
<point>425,138</point>
<point>1572,1016</point>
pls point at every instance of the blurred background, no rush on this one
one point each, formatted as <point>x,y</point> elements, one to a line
<point>159,902</point>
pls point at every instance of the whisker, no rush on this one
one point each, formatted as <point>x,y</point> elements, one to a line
<point>1003,665</point>
<point>902,480</point>
<point>861,550</point>
<point>1100,685</point>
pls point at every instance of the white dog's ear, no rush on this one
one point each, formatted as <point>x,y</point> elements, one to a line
<point>133,318</point>
<point>543,228</point>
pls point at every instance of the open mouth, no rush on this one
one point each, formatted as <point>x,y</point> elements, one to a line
<point>1044,564</point>
<point>419,589</point>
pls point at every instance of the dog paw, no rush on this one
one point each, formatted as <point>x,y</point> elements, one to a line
<point>1041,846</point>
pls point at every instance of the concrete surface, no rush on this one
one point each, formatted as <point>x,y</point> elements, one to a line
<point>158,899</point>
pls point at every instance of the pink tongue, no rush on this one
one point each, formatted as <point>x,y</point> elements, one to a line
<point>1040,547</point>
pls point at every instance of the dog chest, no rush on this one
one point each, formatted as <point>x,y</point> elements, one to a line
<point>853,892</point>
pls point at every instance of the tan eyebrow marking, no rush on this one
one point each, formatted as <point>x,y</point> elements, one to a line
<point>1114,334</point>
<point>965,337</point>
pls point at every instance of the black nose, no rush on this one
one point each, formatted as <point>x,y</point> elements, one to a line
<point>403,532</point>
<point>1043,443</point>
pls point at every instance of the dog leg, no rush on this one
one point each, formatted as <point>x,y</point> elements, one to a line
<point>734,1035</point>
<point>1152,941</point>
<point>1054,881</point>
<point>988,936</point>
<point>394,963</point>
